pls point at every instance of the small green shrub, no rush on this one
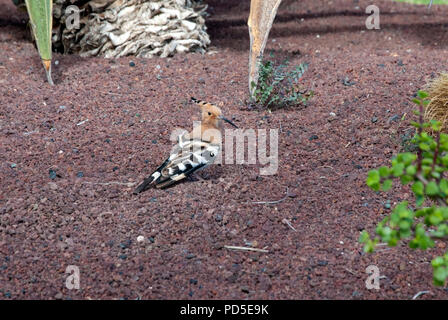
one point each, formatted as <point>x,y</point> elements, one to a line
<point>278,86</point>
<point>426,220</point>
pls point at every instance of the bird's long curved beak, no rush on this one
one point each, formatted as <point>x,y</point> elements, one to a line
<point>228,121</point>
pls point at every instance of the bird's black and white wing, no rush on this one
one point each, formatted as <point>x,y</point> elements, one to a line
<point>187,157</point>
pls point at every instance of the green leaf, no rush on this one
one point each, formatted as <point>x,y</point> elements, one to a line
<point>437,262</point>
<point>405,179</point>
<point>413,244</point>
<point>439,276</point>
<point>422,94</point>
<point>384,172</point>
<point>435,125</point>
<point>419,200</point>
<point>364,237</point>
<point>435,174</point>
<point>387,184</point>
<point>41,20</point>
<point>444,186</point>
<point>416,101</point>
<point>418,188</point>
<point>397,170</point>
<point>432,189</point>
<point>423,146</point>
<point>411,170</point>
<point>373,180</point>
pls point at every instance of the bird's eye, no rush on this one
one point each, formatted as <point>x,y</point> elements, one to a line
<point>212,154</point>
<point>209,113</point>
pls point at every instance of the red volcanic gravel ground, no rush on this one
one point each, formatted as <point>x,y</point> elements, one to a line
<point>66,183</point>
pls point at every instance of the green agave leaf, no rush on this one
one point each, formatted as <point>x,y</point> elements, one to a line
<point>41,19</point>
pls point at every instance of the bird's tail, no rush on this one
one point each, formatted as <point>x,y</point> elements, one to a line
<point>145,184</point>
<point>154,177</point>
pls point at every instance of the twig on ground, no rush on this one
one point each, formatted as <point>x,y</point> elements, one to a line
<point>128,184</point>
<point>246,249</point>
<point>275,201</point>
<point>82,122</point>
<point>113,93</point>
<point>325,167</point>
<point>286,221</point>
<point>420,294</point>
<point>350,271</point>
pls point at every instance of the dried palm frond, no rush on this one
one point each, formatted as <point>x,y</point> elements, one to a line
<point>437,109</point>
<point>144,28</point>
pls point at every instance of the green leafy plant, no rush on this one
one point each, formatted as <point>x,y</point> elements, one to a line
<point>278,86</point>
<point>426,220</point>
<point>41,21</point>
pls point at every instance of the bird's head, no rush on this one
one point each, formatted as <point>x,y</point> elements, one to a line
<point>211,114</point>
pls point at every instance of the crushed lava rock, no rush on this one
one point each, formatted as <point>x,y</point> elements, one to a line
<point>112,123</point>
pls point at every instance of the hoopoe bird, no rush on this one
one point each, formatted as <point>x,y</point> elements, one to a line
<point>194,151</point>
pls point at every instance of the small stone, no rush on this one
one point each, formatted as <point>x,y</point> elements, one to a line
<point>53,186</point>
<point>125,245</point>
<point>313,137</point>
<point>190,256</point>
<point>52,174</point>
<point>13,165</point>
<point>332,114</point>
<point>394,118</point>
<point>374,119</point>
<point>245,289</point>
<point>201,80</point>
<point>346,82</point>
<point>218,218</point>
<point>58,296</point>
<point>356,294</point>
<point>140,238</point>
<point>193,281</point>
<point>123,257</point>
<point>80,174</point>
<point>132,64</point>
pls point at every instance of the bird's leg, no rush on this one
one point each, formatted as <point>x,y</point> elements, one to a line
<point>261,17</point>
